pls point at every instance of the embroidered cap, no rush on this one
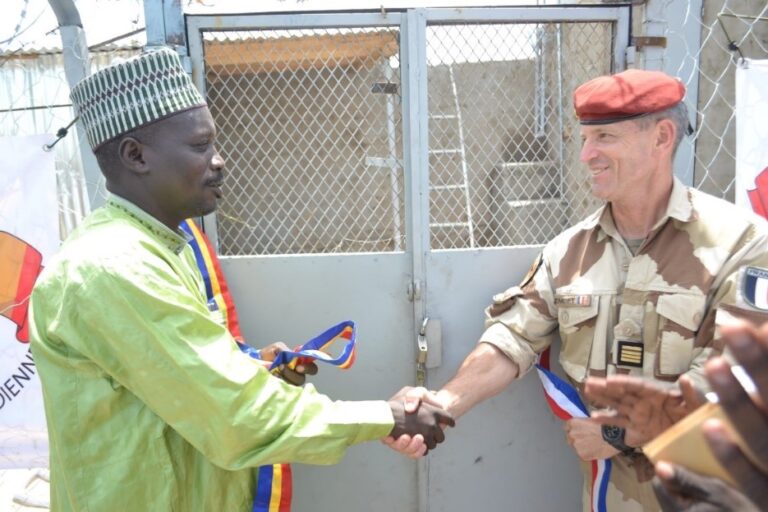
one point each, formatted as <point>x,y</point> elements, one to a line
<point>133,93</point>
<point>627,95</point>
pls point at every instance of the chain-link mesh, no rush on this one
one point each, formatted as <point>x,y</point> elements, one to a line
<point>310,127</point>
<point>503,146</point>
<point>730,30</point>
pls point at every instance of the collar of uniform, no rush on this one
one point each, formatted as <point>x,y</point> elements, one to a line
<point>174,240</point>
<point>679,207</point>
<point>604,218</point>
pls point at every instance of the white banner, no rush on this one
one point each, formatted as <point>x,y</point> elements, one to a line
<point>29,235</point>
<point>752,135</point>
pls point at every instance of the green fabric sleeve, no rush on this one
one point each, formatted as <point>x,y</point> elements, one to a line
<point>146,327</point>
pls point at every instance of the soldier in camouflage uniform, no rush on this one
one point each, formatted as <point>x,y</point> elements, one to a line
<point>639,287</point>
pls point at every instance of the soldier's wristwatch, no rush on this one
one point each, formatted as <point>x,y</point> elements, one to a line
<point>614,436</point>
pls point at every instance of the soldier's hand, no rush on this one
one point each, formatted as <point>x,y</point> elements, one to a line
<point>643,407</point>
<point>296,376</point>
<point>413,446</point>
<point>586,437</point>
<point>427,421</point>
<point>678,489</point>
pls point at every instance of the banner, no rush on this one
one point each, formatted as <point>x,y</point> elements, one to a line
<point>29,235</point>
<point>751,135</point>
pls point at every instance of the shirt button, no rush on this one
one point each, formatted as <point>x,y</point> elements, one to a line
<point>565,316</point>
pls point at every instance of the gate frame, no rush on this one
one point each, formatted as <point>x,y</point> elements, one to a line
<point>412,24</point>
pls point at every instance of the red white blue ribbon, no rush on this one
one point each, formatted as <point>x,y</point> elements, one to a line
<point>566,404</point>
<point>316,348</point>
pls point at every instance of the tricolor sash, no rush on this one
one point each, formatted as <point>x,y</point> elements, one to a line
<point>274,487</point>
<point>315,349</point>
<point>566,404</point>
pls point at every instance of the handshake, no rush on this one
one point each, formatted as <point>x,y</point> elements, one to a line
<point>420,421</point>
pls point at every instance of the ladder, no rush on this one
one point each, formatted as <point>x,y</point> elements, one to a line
<point>459,150</point>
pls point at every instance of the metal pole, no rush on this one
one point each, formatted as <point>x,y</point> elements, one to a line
<point>76,67</point>
<point>415,139</point>
<point>560,114</point>
<point>394,166</point>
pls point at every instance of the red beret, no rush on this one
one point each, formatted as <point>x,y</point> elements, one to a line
<point>626,95</point>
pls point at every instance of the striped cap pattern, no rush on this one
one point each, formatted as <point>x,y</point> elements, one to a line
<point>133,93</point>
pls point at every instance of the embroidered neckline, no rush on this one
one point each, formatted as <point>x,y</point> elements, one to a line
<point>174,240</point>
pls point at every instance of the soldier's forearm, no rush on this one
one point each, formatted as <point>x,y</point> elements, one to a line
<point>484,373</point>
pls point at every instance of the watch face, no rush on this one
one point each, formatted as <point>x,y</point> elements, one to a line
<point>612,433</point>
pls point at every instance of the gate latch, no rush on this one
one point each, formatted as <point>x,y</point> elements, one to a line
<point>423,350</point>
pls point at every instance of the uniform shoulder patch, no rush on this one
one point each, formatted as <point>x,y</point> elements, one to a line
<point>755,287</point>
<point>532,271</point>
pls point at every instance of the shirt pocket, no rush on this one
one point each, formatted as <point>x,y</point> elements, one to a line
<point>577,315</point>
<point>680,316</point>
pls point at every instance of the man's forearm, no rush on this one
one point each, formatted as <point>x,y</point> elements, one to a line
<point>484,373</point>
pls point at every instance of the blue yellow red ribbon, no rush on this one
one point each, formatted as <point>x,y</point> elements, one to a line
<point>566,404</point>
<point>315,349</point>
<point>274,486</point>
<point>216,289</point>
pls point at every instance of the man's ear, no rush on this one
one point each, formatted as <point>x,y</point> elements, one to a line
<point>665,135</point>
<point>131,153</point>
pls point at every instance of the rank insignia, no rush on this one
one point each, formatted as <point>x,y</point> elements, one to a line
<point>755,287</point>
<point>630,354</point>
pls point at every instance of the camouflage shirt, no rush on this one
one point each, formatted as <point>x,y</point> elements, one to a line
<point>655,313</point>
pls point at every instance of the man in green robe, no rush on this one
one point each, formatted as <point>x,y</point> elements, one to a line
<point>150,404</point>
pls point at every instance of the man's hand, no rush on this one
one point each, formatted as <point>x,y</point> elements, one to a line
<point>587,439</point>
<point>643,407</point>
<point>413,446</point>
<point>296,376</point>
<point>748,414</point>
<point>681,490</point>
<point>419,429</point>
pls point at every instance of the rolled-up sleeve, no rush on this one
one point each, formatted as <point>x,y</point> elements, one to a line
<point>521,322</point>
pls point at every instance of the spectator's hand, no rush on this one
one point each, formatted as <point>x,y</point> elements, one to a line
<point>643,407</point>
<point>413,446</point>
<point>296,376</point>
<point>748,414</point>
<point>427,423</point>
<point>678,489</point>
<point>586,437</point>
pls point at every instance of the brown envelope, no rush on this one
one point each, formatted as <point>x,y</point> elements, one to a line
<point>684,444</point>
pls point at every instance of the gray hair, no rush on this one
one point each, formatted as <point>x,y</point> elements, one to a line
<point>678,114</point>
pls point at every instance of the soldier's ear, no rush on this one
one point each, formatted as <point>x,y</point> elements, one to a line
<point>131,154</point>
<point>665,135</point>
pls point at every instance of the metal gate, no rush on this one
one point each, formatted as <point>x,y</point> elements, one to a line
<point>398,168</point>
